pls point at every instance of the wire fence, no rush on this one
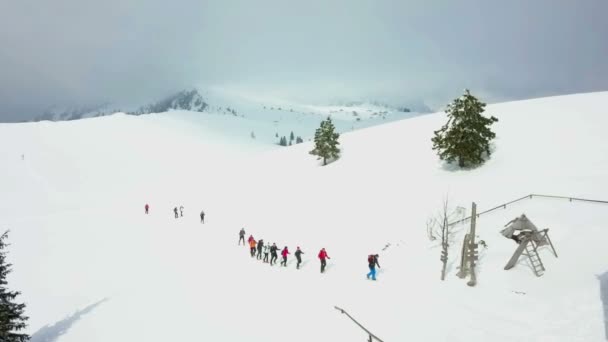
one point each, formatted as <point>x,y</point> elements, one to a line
<point>371,336</point>
<point>530,196</point>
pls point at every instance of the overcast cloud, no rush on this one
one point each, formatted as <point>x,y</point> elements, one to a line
<point>67,52</point>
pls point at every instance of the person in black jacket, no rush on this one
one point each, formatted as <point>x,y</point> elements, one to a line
<point>372,261</point>
<point>298,255</point>
<point>242,236</point>
<point>273,254</point>
<point>260,246</point>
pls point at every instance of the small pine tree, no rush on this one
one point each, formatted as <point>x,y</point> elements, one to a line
<point>466,135</point>
<point>291,136</point>
<point>276,135</point>
<point>326,141</point>
<point>12,317</point>
<point>299,140</point>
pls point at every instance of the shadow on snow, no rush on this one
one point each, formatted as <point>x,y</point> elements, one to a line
<point>50,333</point>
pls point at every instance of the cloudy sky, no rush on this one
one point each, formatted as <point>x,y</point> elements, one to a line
<point>75,52</point>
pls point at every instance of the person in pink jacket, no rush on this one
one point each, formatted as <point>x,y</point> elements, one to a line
<point>284,253</point>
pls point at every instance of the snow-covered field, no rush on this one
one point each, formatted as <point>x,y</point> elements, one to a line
<point>74,205</point>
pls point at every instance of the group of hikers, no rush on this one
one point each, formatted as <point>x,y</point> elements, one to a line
<point>259,248</point>
<point>177,213</point>
<point>262,250</point>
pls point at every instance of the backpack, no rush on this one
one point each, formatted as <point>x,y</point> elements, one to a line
<point>371,259</point>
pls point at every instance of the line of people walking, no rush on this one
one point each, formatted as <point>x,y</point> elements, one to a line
<point>262,250</point>
<point>177,213</point>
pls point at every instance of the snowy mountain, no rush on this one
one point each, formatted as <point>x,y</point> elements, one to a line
<point>92,266</point>
<point>264,121</point>
<point>56,113</point>
<point>189,100</point>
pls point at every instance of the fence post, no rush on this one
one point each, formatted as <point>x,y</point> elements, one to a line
<point>371,336</point>
<point>472,250</point>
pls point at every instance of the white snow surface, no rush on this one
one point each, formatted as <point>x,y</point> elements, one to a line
<point>79,234</point>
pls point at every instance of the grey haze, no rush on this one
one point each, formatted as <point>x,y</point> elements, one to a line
<point>80,52</point>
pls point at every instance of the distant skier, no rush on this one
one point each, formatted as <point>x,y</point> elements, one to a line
<point>252,247</point>
<point>175,211</point>
<point>284,254</point>
<point>273,254</point>
<point>147,207</point>
<point>181,210</point>
<point>242,236</point>
<point>372,261</point>
<point>266,250</point>
<point>323,256</point>
<point>298,255</point>
<point>202,217</point>
<point>260,246</point>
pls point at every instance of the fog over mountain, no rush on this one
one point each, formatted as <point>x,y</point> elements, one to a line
<point>70,53</point>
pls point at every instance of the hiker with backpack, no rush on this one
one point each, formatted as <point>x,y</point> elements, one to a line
<point>202,217</point>
<point>252,244</point>
<point>260,246</point>
<point>266,249</point>
<point>372,261</point>
<point>298,255</point>
<point>284,253</point>
<point>181,210</point>
<point>175,211</point>
<point>242,236</point>
<point>273,253</point>
<point>146,207</point>
<point>323,256</point>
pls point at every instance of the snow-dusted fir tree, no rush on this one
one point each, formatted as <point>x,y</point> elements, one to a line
<point>466,135</point>
<point>12,317</point>
<point>326,142</point>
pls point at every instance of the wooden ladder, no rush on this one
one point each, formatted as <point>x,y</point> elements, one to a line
<point>532,254</point>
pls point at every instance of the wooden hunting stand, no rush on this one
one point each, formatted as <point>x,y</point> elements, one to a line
<point>529,239</point>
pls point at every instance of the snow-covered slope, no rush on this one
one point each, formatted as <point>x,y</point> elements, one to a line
<point>74,205</point>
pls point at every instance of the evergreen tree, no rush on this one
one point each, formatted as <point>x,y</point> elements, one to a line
<point>326,142</point>
<point>291,136</point>
<point>299,140</point>
<point>283,141</point>
<point>11,313</point>
<point>466,135</point>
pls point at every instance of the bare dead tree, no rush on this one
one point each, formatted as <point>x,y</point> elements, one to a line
<point>438,228</point>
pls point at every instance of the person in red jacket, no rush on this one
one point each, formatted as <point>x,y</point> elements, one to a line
<point>322,256</point>
<point>284,253</point>
<point>147,207</point>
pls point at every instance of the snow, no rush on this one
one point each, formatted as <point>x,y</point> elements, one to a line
<point>79,235</point>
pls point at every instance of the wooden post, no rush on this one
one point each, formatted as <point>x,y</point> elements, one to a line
<point>464,260</point>
<point>472,246</point>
